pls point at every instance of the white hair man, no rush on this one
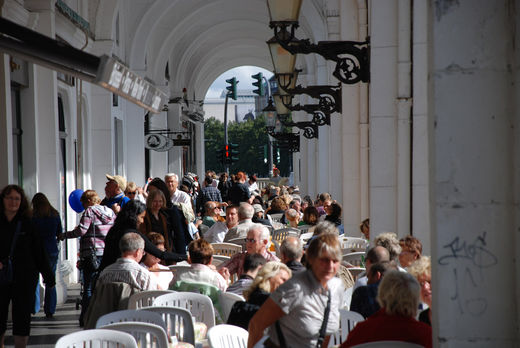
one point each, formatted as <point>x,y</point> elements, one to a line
<point>257,241</point>
<point>177,196</point>
<point>127,269</point>
<point>245,214</point>
<point>291,252</point>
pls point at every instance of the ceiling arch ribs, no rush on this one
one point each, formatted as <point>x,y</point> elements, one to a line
<point>189,31</point>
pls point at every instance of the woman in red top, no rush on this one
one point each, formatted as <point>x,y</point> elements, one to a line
<point>398,296</point>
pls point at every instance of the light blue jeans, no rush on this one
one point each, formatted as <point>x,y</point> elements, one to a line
<point>50,297</point>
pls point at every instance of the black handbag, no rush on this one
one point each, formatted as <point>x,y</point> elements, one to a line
<point>6,273</point>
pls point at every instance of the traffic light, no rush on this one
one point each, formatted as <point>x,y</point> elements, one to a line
<point>220,156</point>
<point>234,152</point>
<point>227,154</point>
<point>232,88</point>
<point>259,84</point>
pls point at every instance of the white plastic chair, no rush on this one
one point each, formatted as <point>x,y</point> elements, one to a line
<point>348,320</point>
<point>353,244</point>
<point>97,338</point>
<point>179,322</point>
<point>145,298</point>
<point>388,344</point>
<point>226,249</point>
<point>200,306</point>
<point>276,217</point>
<point>304,229</point>
<point>355,259</point>
<point>282,233</point>
<point>239,241</point>
<point>347,298</point>
<point>130,315</point>
<point>227,336</point>
<point>219,259</point>
<point>226,300</point>
<point>304,237</point>
<point>145,334</point>
<point>356,271</point>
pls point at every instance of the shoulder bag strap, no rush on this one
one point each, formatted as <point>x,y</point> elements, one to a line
<point>323,328</point>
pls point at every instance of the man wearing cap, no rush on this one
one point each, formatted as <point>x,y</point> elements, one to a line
<point>114,191</point>
<point>245,214</point>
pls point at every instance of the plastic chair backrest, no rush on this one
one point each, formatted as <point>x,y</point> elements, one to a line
<point>276,217</point>
<point>347,298</point>
<point>130,315</point>
<point>226,249</point>
<point>388,344</point>
<point>282,233</point>
<point>219,259</point>
<point>239,241</point>
<point>356,271</point>
<point>179,322</point>
<point>226,300</point>
<point>145,334</point>
<point>227,336</point>
<point>304,229</point>
<point>200,306</point>
<point>356,259</point>
<point>348,320</point>
<point>304,237</point>
<point>97,338</point>
<point>145,298</point>
<point>353,244</point>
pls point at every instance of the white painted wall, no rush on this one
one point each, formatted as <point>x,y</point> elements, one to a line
<point>475,275</point>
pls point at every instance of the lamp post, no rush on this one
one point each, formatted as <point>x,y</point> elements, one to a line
<point>270,118</point>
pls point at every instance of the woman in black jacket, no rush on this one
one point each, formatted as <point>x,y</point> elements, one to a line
<point>128,220</point>
<point>23,253</point>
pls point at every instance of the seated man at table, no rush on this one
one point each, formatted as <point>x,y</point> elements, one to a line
<point>200,258</point>
<point>257,241</point>
<point>245,214</point>
<point>126,269</point>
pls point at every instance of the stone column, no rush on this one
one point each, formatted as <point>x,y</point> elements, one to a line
<point>175,154</point>
<point>6,126</point>
<point>475,166</point>
<point>383,142</point>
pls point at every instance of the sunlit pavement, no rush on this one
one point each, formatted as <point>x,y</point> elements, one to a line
<point>45,332</point>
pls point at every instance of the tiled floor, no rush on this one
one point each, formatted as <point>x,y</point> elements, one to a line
<point>45,332</point>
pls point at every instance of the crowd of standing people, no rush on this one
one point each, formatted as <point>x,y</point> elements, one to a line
<point>134,233</point>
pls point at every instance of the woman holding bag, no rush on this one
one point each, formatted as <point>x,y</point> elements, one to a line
<point>93,227</point>
<point>22,257</point>
<point>304,311</point>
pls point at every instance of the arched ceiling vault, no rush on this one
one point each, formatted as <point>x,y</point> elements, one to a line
<point>201,39</point>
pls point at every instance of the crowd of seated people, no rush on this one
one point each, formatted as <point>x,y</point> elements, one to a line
<point>296,294</point>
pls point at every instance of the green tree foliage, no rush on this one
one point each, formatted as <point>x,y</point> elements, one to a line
<point>251,137</point>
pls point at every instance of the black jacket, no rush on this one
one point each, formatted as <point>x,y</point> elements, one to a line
<point>29,255</point>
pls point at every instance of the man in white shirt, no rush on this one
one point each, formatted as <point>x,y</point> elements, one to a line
<point>177,196</point>
<point>218,231</point>
<point>245,214</point>
<point>127,269</point>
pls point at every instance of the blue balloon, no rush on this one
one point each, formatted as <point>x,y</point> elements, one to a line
<point>75,202</point>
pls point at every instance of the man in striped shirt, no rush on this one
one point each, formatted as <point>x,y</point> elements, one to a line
<point>127,269</point>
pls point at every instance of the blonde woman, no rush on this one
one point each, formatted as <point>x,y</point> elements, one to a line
<point>421,269</point>
<point>268,279</point>
<point>310,300</point>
